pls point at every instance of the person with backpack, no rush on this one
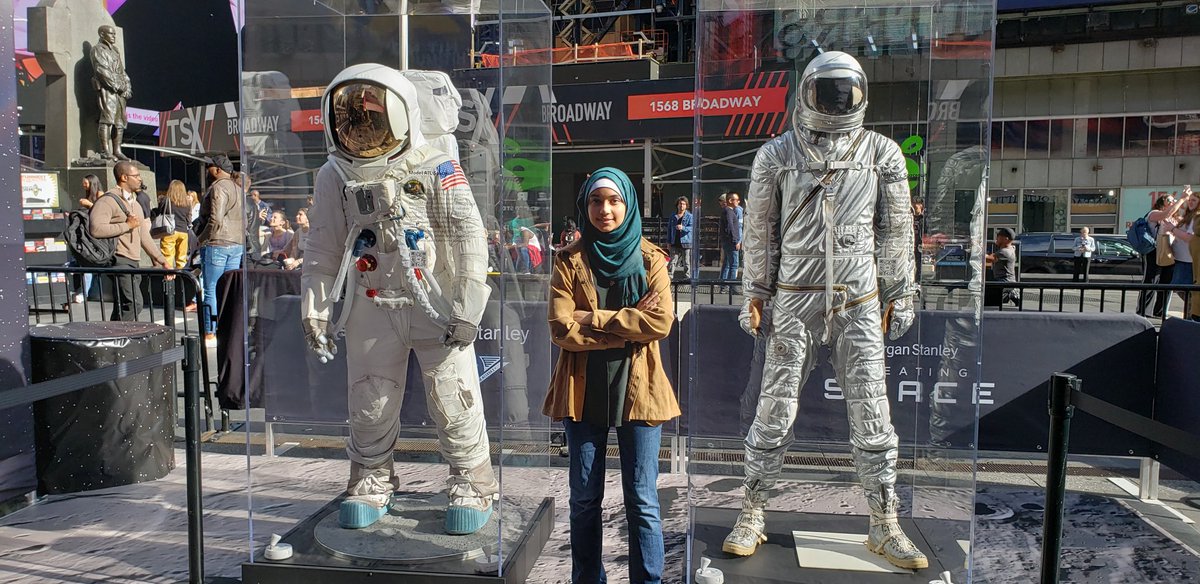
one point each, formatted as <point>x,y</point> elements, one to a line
<point>1152,273</point>
<point>81,284</point>
<point>118,217</point>
<point>222,240</point>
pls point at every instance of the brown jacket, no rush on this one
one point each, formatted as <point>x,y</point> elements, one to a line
<point>107,220</point>
<point>650,397</point>
<point>224,207</point>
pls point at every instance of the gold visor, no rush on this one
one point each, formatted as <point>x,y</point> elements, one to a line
<point>361,127</point>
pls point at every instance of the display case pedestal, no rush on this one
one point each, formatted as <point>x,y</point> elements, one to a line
<point>775,561</point>
<point>408,546</point>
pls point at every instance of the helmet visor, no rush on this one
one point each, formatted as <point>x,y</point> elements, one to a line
<point>362,126</point>
<point>836,93</point>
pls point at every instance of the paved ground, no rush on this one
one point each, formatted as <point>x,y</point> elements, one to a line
<point>137,533</point>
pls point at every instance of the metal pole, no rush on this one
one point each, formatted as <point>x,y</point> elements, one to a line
<point>1061,411</point>
<point>648,176</point>
<point>195,505</point>
<point>169,304</point>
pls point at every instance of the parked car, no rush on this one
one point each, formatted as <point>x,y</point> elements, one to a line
<point>951,262</point>
<point>1043,254</point>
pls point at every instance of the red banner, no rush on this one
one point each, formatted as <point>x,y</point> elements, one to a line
<point>762,100</point>
<point>307,121</point>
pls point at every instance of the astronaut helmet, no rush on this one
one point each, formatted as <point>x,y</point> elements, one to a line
<point>372,119</point>
<point>832,96</point>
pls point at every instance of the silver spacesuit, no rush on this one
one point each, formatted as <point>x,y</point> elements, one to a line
<point>829,242</point>
<point>395,231</point>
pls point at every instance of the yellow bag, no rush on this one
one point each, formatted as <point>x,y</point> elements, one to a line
<point>1163,255</point>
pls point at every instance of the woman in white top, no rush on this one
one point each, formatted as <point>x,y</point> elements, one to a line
<point>1180,228</point>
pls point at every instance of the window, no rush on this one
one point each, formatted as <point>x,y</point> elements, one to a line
<point>1162,135</point>
<point>1115,247</point>
<point>1111,137</point>
<point>1061,138</point>
<point>997,140</point>
<point>1037,139</point>
<point>1035,243</point>
<point>1014,140</point>
<point>1063,244</point>
<point>1137,136</point>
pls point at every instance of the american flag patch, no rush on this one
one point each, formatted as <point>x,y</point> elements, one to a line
<point>451,174</point>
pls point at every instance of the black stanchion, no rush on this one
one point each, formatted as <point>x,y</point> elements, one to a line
<point>1062,386</point>
<point>191,400</point>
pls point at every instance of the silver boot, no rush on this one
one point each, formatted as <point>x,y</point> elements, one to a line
<point>751,526</point>
<point>885,536</point>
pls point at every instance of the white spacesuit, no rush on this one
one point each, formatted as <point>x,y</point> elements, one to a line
<point>829,242</point>
<point>395,231</point>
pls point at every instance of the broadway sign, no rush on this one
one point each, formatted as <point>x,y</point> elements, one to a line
<point>751,106</point>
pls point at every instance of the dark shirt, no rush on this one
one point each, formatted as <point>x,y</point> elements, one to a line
<point>1004,269</point>
<point>143,200</point>
<point>183,218</point>
<point>607,374</point>
<point>731,230</point>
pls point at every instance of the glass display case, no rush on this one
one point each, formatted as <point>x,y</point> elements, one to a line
<point>381,238</point>
<point>872,123</point>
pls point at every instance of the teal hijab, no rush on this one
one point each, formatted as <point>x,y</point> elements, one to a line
<point>616,257</point>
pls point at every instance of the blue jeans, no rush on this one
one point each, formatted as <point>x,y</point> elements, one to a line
<point>729,264</point>
<point>216,260</point>
<point>524,262</point>
<point>1182,274</point>
<point>638,444</point>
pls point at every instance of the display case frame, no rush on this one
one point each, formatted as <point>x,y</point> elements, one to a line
<point>290,53</point>
<point>929,72</point>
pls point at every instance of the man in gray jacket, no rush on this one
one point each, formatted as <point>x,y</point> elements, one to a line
<point>117,215</point>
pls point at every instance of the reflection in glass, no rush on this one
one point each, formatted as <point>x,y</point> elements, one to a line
<point>1037,139</point>
<point>1014,139</point>
<point>1162,135</point>
<point>1062,138</point>
<point>1044,210</point>
<point>1137,136</point>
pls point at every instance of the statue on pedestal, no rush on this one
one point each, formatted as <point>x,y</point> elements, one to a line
<point>112,91</point>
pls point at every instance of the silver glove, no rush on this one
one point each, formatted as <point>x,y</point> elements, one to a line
<point>316,334</point>
<point>460,334</point>
<point>903,315</point>
<point>744,319</point>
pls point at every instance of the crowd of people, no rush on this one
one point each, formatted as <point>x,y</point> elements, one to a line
<point>211,234</point>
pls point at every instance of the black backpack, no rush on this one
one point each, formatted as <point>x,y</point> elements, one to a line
<point>88,250</point>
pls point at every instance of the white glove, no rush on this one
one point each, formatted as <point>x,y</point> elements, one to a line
<point>460,334</point>
<point>903,313</point>
<point>318,339</point>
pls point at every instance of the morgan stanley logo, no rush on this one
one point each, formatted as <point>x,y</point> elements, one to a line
<point>488,366</point>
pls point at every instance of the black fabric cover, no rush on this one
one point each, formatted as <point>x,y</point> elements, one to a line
<point>1178,388</point>
<point>247,316</point>
<point>116,433</point>
<point>1112,353</point>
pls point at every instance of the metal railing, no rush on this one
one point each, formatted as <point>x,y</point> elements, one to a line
<point>50,302</point>
<point>1034,297</point>
<point>1093,296</point>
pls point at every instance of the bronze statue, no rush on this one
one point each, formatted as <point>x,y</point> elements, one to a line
<point>112,90</point>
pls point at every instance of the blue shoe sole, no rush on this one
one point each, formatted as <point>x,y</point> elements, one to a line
<point>356,515</point>
<point>465,521</point>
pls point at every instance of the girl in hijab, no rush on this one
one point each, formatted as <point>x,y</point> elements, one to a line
<point>610,304</point>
